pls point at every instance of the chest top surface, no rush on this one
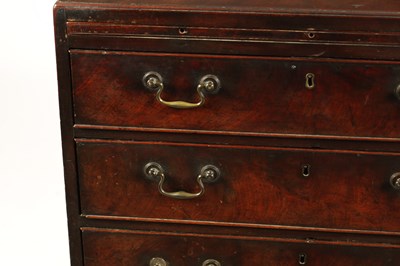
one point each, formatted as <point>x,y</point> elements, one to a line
<point>368,7</point>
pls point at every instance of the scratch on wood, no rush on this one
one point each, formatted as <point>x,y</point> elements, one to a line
<point>319,54</point>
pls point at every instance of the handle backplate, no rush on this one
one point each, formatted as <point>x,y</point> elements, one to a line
<point>158,262</point>
<point>211,262</point>
<point>397,92</point>
<point>395,181</point>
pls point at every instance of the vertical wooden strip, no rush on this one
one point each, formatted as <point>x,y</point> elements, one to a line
<point>66,113</point>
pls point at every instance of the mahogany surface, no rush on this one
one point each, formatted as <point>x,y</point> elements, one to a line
<point>105,247</point>
<point>257,185</point>
<point>263,95</point>
<point>371,7</point>
<point>260,129</point>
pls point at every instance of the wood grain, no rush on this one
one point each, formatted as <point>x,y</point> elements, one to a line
<point>107,247</point>
<point>262,95</point>
<point>68,146</point>
<point>258,185</point>
<point>293,6</point>
<point>278,35</point>
<point>260,129</point>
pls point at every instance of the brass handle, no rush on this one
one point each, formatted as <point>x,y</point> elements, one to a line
<point>209,83</point>
<point>158,262</point>
<point>211,262</point>
<point>395,181</point>
<point>208,173</point>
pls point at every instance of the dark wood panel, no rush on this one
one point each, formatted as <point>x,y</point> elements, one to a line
<point>309,50</point>
<point>309,234</point>
<point>68,145</point>
<point>191,18</point>
<point>74,28</point>
<point>113,247</point>
<point>371,7</point>
<point>237,138</point>
<point>258,185</point>
<point>263,210</point>
<point>350,98</point>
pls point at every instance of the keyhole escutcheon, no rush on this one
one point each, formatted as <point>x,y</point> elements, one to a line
<point>302,259</point>
<point>310,81</point>
<point>306,170</point>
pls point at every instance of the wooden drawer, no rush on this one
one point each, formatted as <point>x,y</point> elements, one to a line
<point>257,95</point>
<point>258,185</point>
<point>121,247</point>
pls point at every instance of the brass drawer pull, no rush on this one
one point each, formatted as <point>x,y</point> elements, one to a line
<point>395,181</point>
<point>158,262</point>
<point>209,84</point>
<point>208,174</point>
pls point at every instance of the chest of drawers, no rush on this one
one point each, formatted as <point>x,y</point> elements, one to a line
<point>230,132</point>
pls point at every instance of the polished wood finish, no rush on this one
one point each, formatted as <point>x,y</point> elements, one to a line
<point>81,28</point>
<point>261,128</point>
<point>69,155</point>
<point>348,98</point>
<point>349,30</point>
<point>236,47</point>
<point>113,183</point>
<point>314,6</point>
<point>108,247</point>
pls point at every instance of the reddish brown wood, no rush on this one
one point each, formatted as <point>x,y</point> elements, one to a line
<point>238,138</point>
<point>349,97</point>
<point>69,156</point>
<point>260,129</point>
<point>340,32</point>
<point>258,185</point>
<point>352,21</point>
<point>236,47</point>
<point>108,247</point>
<point>371,7</point>
<point>309,36</point>
<point>310,234</point>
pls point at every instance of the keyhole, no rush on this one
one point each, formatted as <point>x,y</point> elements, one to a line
<point>302,259</point>
<point>310,84</point>
<point>306,170</point>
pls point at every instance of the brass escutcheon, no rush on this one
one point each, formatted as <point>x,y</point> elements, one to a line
<point>310,81</point>
<point>302,259</point>
<point>306,170</point>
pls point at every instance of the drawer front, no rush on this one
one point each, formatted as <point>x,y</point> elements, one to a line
<point>257,95</point>
<point>106,247</point>
<point>256,186</point>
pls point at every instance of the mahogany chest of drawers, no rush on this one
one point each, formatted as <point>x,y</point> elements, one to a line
<point>231,132</point>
